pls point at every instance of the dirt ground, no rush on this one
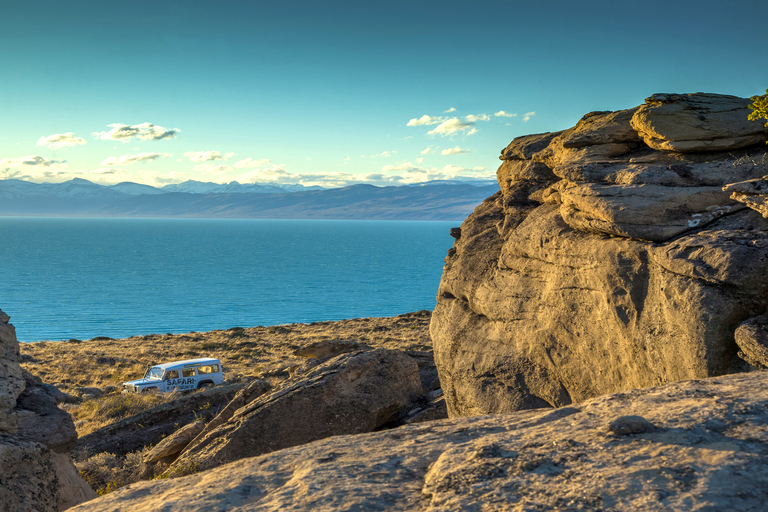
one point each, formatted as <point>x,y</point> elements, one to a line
<point>244,352</point>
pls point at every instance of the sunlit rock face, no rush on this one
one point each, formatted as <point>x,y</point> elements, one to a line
<point>36,472</point>
<point>611,259</point>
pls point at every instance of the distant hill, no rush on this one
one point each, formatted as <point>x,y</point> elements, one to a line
<point>77,197</point>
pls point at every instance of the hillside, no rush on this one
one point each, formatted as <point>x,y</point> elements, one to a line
<point>78,197</point>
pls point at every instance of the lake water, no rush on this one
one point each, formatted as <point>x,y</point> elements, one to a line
<point>80,278</point>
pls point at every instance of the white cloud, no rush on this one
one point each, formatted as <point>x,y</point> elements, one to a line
<point>501,113</point>
<point>213,168</point>
<point>383,154</point>
<point>60,140</point>
<point>205,156</point>
<point>28,161</point>
<point>143,131</point>
<point>449,110</point>
<point>452,126</point>
<point>131,159</point>
<point>473,118</point>
<point>454,151</point>
<point>35,168</point>
<point>249,162</point>
<point>528,115</point>
<point>419,160</point>
<point>429,150</point>
<point>425,120</point>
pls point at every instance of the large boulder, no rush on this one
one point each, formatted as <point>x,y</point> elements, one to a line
<point>351,393</point>
<point>35,437</point>
<point>697,122</point>
<point>696,445</point>
<point>602,265</point>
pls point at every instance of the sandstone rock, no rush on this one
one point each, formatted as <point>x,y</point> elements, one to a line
<point>522,148</point>
<point>707,452</point>
<point>174,443</point>
<point>151,426</point>
<point>35,471</point>
<point>326,349</point>
<point>626,425</point>
<point>752,338</point>
<point>625,266</point>
<point>648,212</point>
<point>753,193</point>
<point>697,122</point>
<point>352,393</point>
<point>255,389</point>
<point>41,420</point>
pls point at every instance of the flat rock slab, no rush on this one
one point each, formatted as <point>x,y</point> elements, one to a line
<point>702,446</point>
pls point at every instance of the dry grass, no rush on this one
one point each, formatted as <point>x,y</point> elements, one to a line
<point>243,351</point>
<point>105,472</point>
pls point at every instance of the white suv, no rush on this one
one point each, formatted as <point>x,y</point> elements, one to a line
<point>178,376</point>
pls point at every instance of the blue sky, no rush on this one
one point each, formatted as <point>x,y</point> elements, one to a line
<point>340,92</point>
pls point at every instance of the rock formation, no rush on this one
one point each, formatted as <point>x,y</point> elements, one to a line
<point>153,425</point>
<point>696,445</point>
<point>352,393</point>
<point>611,259</point>
<point>36,473</point>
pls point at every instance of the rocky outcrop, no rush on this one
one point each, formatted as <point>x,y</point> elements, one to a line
<point>351,393</point>
<point>153,425</point>
<point>696,445</point>
<point>753,193</point>
<point>611,259</point>
<point>35,436</point>
<point>174,443</point>
<point>696,122</point>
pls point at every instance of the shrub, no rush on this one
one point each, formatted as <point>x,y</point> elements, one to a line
<point>759,108</point>
<point>105,472</point>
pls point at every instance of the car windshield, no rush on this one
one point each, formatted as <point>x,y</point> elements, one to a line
<point>155,373</point>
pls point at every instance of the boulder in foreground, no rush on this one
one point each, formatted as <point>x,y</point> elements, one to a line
<point>696,445</point>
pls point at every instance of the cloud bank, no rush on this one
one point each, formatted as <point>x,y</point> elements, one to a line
<point>60,140</point>
<point>132,159</point>
<point>206,156</point>
<point>454,151</point>
<point>144,131</point>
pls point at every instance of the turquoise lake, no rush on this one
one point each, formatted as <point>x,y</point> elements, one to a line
<point>80,278</point>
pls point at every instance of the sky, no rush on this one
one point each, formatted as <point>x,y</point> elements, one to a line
<point>340,92</point>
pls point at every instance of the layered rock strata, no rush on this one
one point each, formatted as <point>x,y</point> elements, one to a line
<point>696,445</point>
<point>36,473</point>
<point>611,259</point>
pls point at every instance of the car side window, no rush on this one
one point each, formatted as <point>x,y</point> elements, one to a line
<point>188,372</point>
<point>213,368</point>
<point>171,374</point>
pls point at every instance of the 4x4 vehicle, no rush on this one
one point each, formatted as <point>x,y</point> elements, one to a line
<point>178,376</point>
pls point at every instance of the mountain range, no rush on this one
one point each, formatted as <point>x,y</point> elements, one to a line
<point>435,200</point>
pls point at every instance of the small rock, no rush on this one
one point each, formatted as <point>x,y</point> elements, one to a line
<point>456,233</point>
<point>625,425</point>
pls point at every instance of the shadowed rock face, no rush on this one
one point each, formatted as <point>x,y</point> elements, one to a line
<point>351,393</point>
<point>697,445</point>
<point>36,472</point>
<point>605,263</point>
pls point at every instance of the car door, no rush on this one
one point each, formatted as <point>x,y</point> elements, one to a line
<point>171,380</point>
